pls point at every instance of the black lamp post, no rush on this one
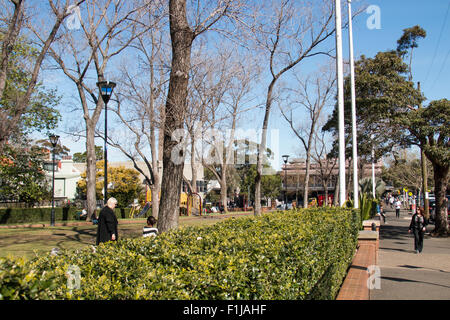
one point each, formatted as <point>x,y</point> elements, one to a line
<point>285,159</point>
<point>54,141</point>
<point>106,89</point>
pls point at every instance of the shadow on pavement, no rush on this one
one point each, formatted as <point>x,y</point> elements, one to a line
<point>394,232</point>
<point>414,281</point>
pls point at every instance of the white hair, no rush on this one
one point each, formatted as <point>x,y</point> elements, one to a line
<point>112,201</point>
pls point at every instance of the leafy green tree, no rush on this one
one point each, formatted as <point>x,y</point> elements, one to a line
<point>406,171</point>
<point>388,116</point>
<point>429,128</point>
<point>21,173</point>
<point>382,93</point>
<point>40,112</point>
<point>270,183</point>
<point>408,41</point>
<point>81,157</point>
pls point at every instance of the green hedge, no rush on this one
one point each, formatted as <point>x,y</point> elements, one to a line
<point>300,254</point>
<point>31,215</point>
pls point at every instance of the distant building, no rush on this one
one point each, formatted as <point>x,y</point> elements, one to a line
<point>187,172</point>
<point>328,169</point>
<point>66,177</point>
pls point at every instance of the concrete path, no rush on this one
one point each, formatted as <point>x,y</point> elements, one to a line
<point>406,275</point>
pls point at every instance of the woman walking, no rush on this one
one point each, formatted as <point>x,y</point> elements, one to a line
<point>107,223</point>
<point>418,227</point>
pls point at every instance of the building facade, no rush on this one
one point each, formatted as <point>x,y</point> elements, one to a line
<point>323,177</point>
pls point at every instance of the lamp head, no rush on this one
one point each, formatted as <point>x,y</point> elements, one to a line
<point>54,140</point>
<point>106,88</point>
<point>285,158</point>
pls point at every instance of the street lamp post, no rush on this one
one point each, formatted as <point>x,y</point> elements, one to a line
<point>54,141</point>
<point>285,159</point>
<point>106,88</point>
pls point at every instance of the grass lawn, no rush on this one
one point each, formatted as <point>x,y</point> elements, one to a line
<point>26,242</point>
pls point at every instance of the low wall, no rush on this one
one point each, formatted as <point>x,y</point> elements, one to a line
<point>355,286</point>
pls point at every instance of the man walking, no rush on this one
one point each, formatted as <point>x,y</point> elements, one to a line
<point>398,205</point>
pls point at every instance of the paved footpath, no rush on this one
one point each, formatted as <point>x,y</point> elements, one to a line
<point>406,275</point>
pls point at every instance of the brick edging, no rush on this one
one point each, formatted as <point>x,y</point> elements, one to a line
<point>355,286</point>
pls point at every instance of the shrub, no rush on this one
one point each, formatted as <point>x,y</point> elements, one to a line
<point>30,215</point>
<point>300,254</point>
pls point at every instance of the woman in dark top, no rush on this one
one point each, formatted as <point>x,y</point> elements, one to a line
<point>107,223</point>
<point>418,227</point>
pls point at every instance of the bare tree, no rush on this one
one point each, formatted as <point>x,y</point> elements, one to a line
<point>15,25</point>
<point>140,105</point>
<point>182,36</point>
<point>107,29</point>
<point>326,165</point>
<point>288,32</point>
<point>238,77</point>
<point>312,96</point>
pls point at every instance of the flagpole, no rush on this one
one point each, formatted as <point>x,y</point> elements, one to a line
<point>340,87</point>
<point>353,94</point>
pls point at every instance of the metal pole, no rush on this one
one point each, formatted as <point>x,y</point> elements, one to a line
<point>373,172</point>
<point>340,86</point>
<point>105,199</point>
<point>353,94</point>
<point>52,217</point>
<point>285,187</point>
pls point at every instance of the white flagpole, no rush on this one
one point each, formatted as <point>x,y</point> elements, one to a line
<point>352,84</point>
<point>340,86</point>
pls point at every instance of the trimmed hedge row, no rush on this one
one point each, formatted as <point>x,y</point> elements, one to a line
<point>30,215</point>
<point>301,254</point>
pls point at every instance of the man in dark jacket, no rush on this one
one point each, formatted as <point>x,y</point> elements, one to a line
<point>107,223</point>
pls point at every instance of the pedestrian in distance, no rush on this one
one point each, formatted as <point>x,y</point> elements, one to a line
<point>418,228</point>
<point>149,229</point>
<point>391,201</point>
<point>107,223</point>
<point>398,205</point>
<point>382,215</point>
<point>94,218</point>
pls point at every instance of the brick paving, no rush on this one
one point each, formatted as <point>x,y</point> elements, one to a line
<point>403,274</point>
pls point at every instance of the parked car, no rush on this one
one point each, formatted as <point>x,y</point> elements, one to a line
<point>283,207</point>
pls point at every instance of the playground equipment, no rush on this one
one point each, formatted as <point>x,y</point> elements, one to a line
<point>188,205</point>
<point>134,210</point>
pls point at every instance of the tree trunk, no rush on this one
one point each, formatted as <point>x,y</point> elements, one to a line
<point>91,169</point>
<point>306,182</point>
<point>440,189</point>
<point>9,40</point>
<point>181,38</point>
<point>336,193</point>
<point>262,148</point>
<point>223,189</point>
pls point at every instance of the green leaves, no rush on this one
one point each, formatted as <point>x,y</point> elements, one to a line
<point>283,255</point>
<point>21,175</point>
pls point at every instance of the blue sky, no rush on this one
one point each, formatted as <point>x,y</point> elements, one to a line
<point>431,61</point>
<point>431,64</point>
